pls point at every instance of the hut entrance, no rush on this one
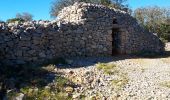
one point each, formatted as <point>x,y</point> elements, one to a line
<point>115,37</point>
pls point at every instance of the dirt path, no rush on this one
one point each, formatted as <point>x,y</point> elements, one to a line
<point>147,79</point>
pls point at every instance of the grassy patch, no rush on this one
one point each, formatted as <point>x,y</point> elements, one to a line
<point>119,83</point>
<point>44,93</point>
<point>107,68</point>
<point>61,83</point>
<point>112,69</point>
<point>51,92</point>
<point>36,83</point>
<point>165,84</point>
<point>82,97</point>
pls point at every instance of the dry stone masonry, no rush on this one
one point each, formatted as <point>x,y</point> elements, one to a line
<point>80,30</point>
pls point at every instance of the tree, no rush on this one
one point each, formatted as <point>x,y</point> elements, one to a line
<point>154,19</point>
<point>119,4</point>
<point>25,16</point>
<point>60,4</point>
<point>164,31</point>
<point>105,2</point>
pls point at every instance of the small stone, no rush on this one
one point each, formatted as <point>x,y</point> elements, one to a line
<point>69,89</point>
<point>56,69</point>
<point>76,95</point>
<point>20,96</point>
<point>77,80</point>
<point>47,87</point>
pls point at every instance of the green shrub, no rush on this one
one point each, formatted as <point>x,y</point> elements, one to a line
<point>163,40</point>
<point>44,93</point>
<point>13,20</point>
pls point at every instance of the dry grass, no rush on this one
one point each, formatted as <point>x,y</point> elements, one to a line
<point>166,60</point>
<point>118,84</point>
<point>107,68</point>
<point>165,84</point>
<point>49,68</point>
<point>33,83</point>
<point>112,69</point>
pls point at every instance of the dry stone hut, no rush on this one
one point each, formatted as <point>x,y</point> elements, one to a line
<point>112,31</point>
<point>80,30</point>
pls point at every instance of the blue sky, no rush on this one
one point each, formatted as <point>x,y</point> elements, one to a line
<point>40,8</point>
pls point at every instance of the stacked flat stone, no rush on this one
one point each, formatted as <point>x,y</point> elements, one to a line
<point>82,29</point>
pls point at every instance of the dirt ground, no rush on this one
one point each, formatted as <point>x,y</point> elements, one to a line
<point>148,78</point>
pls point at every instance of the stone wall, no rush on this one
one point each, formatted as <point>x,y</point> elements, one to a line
<point>80,30</point>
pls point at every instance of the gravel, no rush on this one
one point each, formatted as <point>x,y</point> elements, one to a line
<point>145,78</point>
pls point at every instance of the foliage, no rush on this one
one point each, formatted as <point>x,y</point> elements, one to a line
<point>164,40</point>
<point>105,2</point>
<point>119,83</point>
<point>61,82</point>
<point>20,18</point>
<point>164,32</point>
<point>155,19</point>
<point>33,83</point>
<point>60,4</point>
<point>13,20</point>
<point>120,4</point>
<point>43,93</point>
<point>25,16</point>
<point>50,92</point>
<point>107,68</point>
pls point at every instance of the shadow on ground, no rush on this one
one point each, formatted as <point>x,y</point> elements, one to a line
<point>91,61</point>
<point>13,78</point>
<point>152,55</point>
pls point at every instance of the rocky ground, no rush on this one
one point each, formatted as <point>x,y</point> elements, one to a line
<point>114,78</point>
<point>135,78</point>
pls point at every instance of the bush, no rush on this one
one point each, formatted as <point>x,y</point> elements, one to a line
<point>13,20</point>
<point>164,40</point>
<point>164,32</point>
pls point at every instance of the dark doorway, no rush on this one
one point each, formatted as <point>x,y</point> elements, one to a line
<point>115,37</point>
